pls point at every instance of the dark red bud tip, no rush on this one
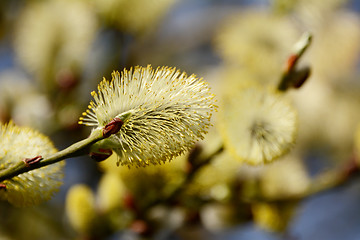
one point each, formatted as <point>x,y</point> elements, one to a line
<point>291,61</point>
<point>30,161</point>
<point>66,79</point>
<point>112,127</point>
<point>301,76</point>
<point>129,201</point>
<point>139,226</point>
<point>2,186</point>
<point>98,157</point>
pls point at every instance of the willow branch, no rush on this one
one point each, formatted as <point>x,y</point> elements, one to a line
<point>197,163</point>
<point>195,169</point>
<point>324,181</point>
<point>77,149</point>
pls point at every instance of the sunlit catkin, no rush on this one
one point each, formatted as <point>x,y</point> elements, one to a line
<point>80,208</point>
<point>258,124</point>
<point>164,112</point>
<point>16,144</point>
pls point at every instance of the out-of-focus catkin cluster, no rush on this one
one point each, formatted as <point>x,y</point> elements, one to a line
<point>80,208</point>
<point>16,144</point>
<point>258,124</point>
<point>163,112</point>
<point>151,183</point>
<point>134,16</point>
<point>54,36</point>
<point>93,213</point>
<point>255,42</point>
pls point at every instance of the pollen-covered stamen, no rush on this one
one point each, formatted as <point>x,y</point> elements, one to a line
<point>112,127</point>
<point>101,155</point>
<point>30,161</point>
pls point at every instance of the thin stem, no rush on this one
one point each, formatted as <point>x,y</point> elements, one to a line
<point>195,169</point>
<point>77,149</point>
<point>325,181</point>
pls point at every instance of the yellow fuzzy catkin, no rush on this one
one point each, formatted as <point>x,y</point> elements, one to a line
<point>80,208</point>
<point>164,112</point>
<point>111,192</point>
<point>257,41</point>
<point>145,184</point>
<point>285,178</point>
<point>258,124</point>
<point>59,33</point>
<point>17,143</point>
<point>134,16</point>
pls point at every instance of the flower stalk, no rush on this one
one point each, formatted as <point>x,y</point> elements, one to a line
<point>196,163</point>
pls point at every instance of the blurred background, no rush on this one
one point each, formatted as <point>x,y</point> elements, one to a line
<point>53,53</point>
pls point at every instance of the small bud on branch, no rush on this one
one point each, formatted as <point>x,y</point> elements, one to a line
<point>293,77</point>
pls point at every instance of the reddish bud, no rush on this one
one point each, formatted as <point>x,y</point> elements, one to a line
<point>2,186</point>
<point>112,127</point>
<point>98,157</point>
<point>30,161</point>
<point>129,201</point>
<point>300,76</point>
<point>291,61</point>
<point>66,79</point>
<point>139,226</point>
